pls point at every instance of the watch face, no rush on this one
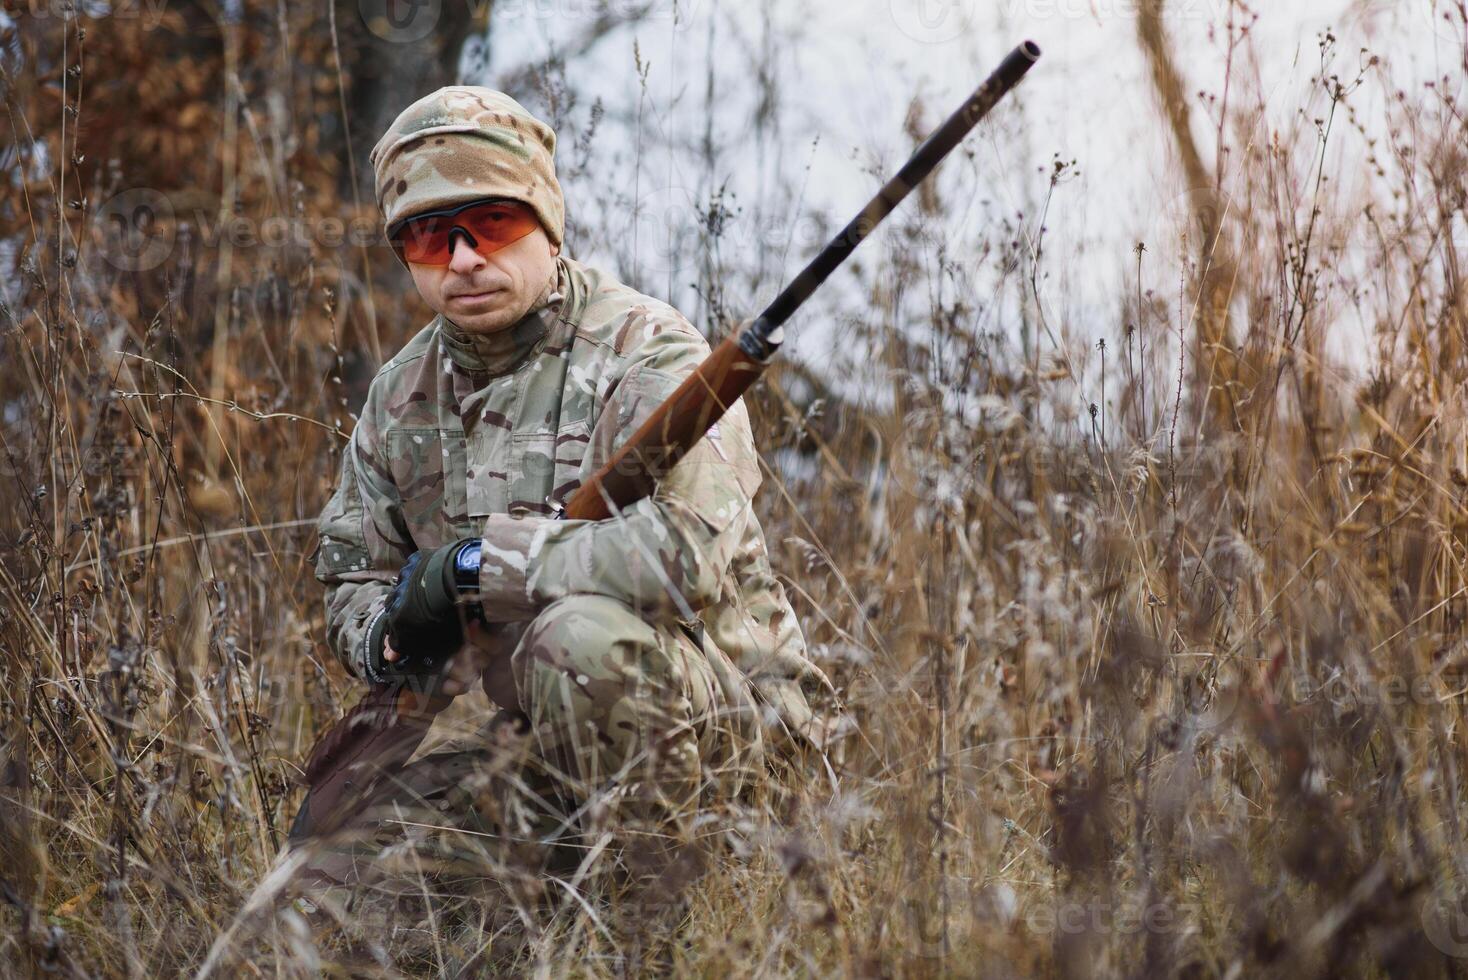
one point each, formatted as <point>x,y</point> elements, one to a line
<point>466,565</point>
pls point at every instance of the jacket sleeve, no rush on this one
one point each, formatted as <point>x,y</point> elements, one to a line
<point>363,543</point>
<point>667,555</point>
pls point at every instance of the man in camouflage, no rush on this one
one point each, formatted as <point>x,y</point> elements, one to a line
<point>648,662</point>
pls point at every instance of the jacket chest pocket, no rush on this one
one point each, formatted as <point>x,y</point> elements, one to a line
<point>427,467</point>
<point>546,466</point>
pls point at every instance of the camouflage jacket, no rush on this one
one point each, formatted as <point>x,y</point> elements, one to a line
<point>467,435</point>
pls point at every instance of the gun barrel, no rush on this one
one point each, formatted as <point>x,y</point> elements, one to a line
<point>939,144</point>
<point>738,362</point>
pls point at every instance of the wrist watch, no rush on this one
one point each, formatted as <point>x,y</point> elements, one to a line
<point>466,566</point>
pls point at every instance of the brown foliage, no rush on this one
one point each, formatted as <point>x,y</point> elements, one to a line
<point>1153,655</point>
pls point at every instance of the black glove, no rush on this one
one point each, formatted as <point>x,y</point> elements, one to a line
<point>423,617</point>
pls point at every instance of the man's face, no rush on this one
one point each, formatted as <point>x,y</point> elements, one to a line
<point>485,294</point>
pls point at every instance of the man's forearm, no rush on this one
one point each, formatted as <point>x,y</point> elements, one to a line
<point>350,608</point>
<point>658,557</point>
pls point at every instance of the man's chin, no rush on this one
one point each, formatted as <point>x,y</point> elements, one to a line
<point>487,321</point>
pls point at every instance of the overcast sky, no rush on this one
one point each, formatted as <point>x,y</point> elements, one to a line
<point>846,71</point>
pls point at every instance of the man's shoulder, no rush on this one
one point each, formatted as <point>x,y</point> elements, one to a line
<point>626,322</point>
<point>414,350</point>
<point>405,383</point>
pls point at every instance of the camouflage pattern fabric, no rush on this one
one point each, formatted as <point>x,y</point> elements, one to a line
<point>526,789</point>
<point>463,143</point>
<point>466,435</point>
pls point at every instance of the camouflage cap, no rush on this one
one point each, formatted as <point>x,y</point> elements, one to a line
<point>462,143</point>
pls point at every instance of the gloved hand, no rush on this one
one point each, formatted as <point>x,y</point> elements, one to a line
<point>423,618</point>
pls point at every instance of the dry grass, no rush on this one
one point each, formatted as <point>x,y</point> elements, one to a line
<point>1151,632</point>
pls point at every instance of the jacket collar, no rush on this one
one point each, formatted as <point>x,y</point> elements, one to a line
<point>502,351</point>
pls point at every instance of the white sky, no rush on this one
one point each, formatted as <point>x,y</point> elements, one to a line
<point>846,70</point>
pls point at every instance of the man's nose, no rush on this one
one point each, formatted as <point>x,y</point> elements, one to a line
<point>464,258</point>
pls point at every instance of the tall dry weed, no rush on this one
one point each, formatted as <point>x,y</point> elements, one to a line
<point>1149,632</point>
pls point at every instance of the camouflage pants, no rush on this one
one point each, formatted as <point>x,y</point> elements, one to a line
<point>624,731</point>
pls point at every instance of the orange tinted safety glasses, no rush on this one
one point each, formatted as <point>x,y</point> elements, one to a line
<point>488,226</point>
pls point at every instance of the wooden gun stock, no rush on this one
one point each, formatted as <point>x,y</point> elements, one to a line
<point>667,435</point>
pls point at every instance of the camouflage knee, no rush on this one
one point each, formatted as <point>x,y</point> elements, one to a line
<point>618,707</point>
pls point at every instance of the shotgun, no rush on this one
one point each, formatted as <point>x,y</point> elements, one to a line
<point>378,735</point>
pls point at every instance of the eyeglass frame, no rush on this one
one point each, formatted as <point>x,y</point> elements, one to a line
<point>397,226</point>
